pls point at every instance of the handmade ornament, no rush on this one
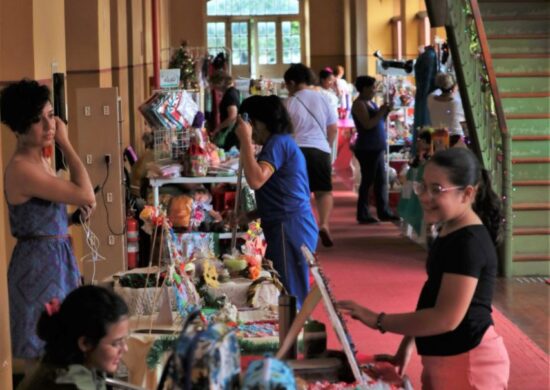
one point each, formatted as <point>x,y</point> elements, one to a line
<point>179,210</point>
<point>210,275</point>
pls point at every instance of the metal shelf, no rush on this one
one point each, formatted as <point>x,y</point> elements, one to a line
<point>157,183</point>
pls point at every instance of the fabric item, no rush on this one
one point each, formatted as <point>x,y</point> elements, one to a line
<point>373,139</point>
<point>468,251</point>
<point>286,193</point>
<point>203,358</point>
<point>284,240</point>
<point>332,98</point>
<point>74,377</point>
<point>267,374</point>
<point>319,169</point>
<point>307,131</point>
<point>447,114</point>
<point>40,269</point>
<point>372,172</point>
<point>487,366</point>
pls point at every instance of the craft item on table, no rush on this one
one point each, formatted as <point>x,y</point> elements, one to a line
<point>163,171</point>
<point>236,290</point>
<point>197,245</point>
<point>179,211</point>
<point>227,313</point>
<point>210,275</point>
<point>196,162</point>
<point>269,373</point>
<point>203,358</point>
<point>255,243</point>
<point>203,216</point>
<point>263,291</point>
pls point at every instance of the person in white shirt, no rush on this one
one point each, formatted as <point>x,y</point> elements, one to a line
<point>446,108</point>
<point>315,128</point>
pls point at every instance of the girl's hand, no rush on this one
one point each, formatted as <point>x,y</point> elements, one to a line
<point>401,358</point>
<point>358,312</point>
<point>61,133</point>
<point>243,130</point>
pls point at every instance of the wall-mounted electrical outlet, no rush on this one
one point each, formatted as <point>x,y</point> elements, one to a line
<point>89,159</point>
<point>109,197</point>
<point>111,239</point>
<point>87,111</point>
<point>106,110</point>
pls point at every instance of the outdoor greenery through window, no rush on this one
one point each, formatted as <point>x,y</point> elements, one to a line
<point>215,36</point>
<point>252,7</point>
<point>291,42</point>
<point>239,43</point>
<point>267,43</point>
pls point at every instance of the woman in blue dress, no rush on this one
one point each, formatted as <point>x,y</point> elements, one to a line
<point>42,265</point>
<point>279,176</point>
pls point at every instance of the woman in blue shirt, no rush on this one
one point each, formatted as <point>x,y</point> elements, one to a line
<point>279,176</point>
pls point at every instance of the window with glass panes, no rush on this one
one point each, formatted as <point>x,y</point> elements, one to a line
<point>215,35</point>
<point>262,32</point>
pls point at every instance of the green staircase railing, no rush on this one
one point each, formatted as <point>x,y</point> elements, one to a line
<point>482,104</point>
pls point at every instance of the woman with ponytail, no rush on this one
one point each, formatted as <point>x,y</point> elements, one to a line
<point>85,338</point>
<point>279,176</point>
<point>452,326</point>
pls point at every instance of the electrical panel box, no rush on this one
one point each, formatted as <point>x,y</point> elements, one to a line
<point>99,146</point>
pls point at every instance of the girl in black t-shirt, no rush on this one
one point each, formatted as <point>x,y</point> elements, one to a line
<point>452,325</point>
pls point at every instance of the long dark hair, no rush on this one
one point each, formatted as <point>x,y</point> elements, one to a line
<point>86,311</point>
<point>464,169</point>
<point>21,104</point>
<point>269,110</point>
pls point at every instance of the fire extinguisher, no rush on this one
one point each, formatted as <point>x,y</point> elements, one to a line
<point>132,240</point>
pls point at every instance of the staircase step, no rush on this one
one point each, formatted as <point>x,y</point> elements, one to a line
<point>528,170</point>
<point>524,18</point>
<point>531,231</point>
<point>530,150</point>
<point>521,95</point>
<point>515,27</point>
<point>517,36</point>
<point>531,257</point>
<point>526,105</point>
<point>531,206</point>
<point>528,8</point>
<point>522,85</point>
<point>519,45</point>
<point>531,244</point>
<point>531,219</point>
<point>527,127</point>
<point>531,138</point>
<point>528,116</point>
<point>535,66</point>
<point>527,183</point>
<point>520,56</point>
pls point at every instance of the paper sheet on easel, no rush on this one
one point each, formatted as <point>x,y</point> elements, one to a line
<point>165,313</point>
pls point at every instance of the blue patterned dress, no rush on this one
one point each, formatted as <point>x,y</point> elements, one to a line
<point>42,267</point>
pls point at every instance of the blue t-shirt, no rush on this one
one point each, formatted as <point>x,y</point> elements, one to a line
<point>286,193</point>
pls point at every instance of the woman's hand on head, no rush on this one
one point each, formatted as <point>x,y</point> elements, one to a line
<point>61,133</point>
<point>243,130</point>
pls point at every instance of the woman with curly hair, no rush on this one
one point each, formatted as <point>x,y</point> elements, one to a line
<point>42,264</point>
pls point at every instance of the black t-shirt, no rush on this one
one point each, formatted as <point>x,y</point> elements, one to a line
<point>468,251</point>
<point>231,97</point>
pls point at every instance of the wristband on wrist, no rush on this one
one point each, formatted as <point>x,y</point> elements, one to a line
<point>379,322</point>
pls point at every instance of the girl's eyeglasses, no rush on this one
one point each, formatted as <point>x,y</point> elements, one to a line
<point>434,190</point>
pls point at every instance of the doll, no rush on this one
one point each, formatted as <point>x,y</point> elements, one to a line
<point>202,211</point>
